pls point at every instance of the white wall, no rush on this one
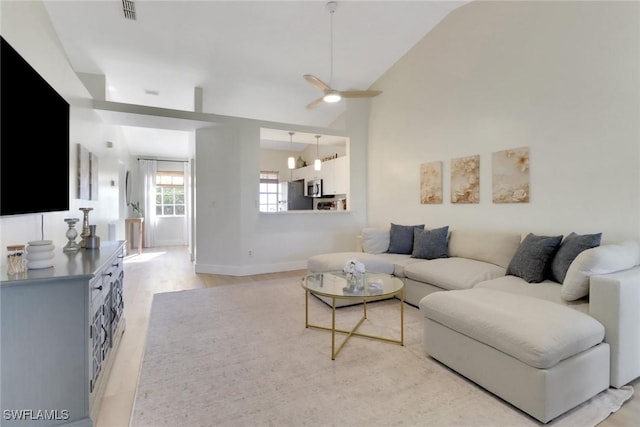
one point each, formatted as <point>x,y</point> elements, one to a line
<point>562,78</point>
<point>27,27</point>
<point>275,161</point>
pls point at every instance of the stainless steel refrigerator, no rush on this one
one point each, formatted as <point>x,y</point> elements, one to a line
<point>292,198</point>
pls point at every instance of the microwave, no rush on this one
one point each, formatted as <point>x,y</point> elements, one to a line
<point>314,188</point>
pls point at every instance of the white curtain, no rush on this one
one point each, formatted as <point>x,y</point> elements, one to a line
<point>148,170</point>
<point>187,204</point>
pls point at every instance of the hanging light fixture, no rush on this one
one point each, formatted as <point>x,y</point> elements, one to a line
<point>331,95</point>
<point>291,161</point>
<point>317,164</point>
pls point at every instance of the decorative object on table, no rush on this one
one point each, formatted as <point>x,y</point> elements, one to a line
<point>136,209</point>
<point>511,176</point>
<point>15,259</point>
<point>72,233</point>
<point>40,254</point>
<point>92,241</point>
<point>465,179</point>
<point>354,271</point>
<point>375,287</point>
<point>431,183</point>
<point>85,226</point>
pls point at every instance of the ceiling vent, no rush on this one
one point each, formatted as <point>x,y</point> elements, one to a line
<point>129,9</point>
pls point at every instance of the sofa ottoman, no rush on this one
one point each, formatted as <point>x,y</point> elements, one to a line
<point>541,357</point>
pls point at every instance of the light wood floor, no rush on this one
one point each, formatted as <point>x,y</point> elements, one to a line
<point>168,269</point>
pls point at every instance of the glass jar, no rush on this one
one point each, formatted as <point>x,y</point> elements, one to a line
<point>15,259</point>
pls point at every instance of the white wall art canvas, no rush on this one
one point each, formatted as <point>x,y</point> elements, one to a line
<point>83,173</point>
<point>93,176</point>
<point>431,183</point>
<point>465,179</point>
<point>511,176</point>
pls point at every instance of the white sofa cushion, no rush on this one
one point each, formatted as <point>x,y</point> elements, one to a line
<point>547,290</point>
<point>375,240</point>
<point>452,273</point>
<point>490,246</point>
<point>400,262</point>
<point>536,332</point>
<point>600,260</point>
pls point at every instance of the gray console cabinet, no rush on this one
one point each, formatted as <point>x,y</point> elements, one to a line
<point>60,328</point>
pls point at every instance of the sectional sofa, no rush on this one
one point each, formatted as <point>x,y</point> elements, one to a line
<point>544,322</point>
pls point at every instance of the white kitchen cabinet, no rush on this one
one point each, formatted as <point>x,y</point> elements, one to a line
<point>299,173</point>
<point>341,175</point>
<point>335,176</point>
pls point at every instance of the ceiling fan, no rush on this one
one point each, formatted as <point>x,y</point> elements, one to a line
<point>331,95</point>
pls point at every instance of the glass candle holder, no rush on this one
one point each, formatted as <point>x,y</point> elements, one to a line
<point>71,234</point>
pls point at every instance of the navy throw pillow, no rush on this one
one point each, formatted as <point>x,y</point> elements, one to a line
<point>430,244</point>
<point>401,238</point>
<point>569,249</point>
<point>533,256</point>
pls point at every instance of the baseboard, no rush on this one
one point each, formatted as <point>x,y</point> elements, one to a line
<point>248,270</point>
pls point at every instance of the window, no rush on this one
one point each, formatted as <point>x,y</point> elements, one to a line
<point>269,191</point>
<point>170,193</point>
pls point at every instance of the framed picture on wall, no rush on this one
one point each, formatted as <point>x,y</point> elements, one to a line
<point>510,175</point>
<point>83,173</point>
<point>465,179</point>
<point>431,183</point>
<point>93,176</point>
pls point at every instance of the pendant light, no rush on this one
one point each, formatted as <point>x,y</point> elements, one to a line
<point>317,164</point>
<point>331,95</point>
<point>291,161</point>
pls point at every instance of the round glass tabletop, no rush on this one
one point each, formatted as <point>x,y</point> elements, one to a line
<point>335,284</point>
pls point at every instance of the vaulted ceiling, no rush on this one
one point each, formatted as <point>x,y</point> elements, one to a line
<point>247,56</point>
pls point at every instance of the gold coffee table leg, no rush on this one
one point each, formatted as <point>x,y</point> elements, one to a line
<point>317,290</point>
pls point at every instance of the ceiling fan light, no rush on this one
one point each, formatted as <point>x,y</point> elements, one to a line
<point>332,96</point>
<point>317,164</point>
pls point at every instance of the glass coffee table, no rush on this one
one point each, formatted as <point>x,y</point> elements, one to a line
<point>335,286</point>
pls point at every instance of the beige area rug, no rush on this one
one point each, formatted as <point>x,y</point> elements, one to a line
<point>239,355</point>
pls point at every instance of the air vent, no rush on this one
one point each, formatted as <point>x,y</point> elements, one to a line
<point>129,9</point>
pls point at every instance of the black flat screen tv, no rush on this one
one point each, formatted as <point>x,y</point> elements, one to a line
<point>34,140</point>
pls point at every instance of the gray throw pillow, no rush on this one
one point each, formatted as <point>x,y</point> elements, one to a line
<point>569,249</point>
<point>430,244</point>
<point>401,238</point>
<point>533,256</point>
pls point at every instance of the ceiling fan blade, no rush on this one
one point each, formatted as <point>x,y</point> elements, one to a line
<point>359,93</point>
<point>315,103</point>
<point>316,82</point>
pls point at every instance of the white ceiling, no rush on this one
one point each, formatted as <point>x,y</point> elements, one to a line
<point>247,56</point>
